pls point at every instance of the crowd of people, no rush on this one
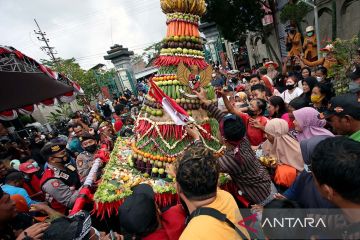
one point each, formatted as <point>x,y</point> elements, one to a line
<point>41,177</point>
<point>293,118</point>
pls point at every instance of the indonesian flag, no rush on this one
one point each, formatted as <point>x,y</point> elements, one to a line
<point>177,113</point>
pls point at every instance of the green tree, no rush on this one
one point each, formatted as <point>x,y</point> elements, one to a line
<point>235,18</point>
<point>346,54</point>
<point>71,69</point>
<point>295,13</point>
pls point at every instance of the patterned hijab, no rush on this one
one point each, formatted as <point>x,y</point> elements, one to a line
<point>284,148</point>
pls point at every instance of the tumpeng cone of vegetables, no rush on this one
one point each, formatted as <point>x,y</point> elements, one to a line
<point>182,69</point>
<point>158,141</point>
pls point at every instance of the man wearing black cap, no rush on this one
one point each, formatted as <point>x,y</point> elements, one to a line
<point>139,216</point>
<point>344,115</point>
<point>354,86</point>
<point>85,160</point>
<point>239,160</point>
<point>60,180</point>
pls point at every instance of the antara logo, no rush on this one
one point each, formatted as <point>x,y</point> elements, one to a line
<point>251,218</point>
<point>293,223</point>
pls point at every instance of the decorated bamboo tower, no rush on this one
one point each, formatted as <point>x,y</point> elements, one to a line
<point>182,69</point>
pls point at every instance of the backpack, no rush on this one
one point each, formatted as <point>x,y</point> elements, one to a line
<point>215,214</point>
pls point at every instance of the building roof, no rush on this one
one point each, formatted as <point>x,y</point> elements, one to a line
<point>117,51</point>
<point>146,72</point>
<point>98,66</point>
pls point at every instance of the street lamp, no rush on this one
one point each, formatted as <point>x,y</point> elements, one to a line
<point>311,3</point>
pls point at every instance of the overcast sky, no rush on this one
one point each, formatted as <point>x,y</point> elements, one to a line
<point>83,29</point>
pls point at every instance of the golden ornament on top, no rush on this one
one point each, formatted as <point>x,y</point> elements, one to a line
<point>195,7</point>
<point>194,78</point>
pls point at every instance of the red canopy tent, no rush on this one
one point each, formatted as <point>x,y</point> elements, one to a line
<point>25,83</point>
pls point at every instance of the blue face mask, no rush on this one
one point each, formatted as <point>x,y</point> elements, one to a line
<point>309,34</point>
<point>354,87</point>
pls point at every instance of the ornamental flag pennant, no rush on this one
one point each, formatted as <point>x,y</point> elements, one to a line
<point>177,113</point>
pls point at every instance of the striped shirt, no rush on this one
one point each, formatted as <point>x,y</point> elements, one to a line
<point>251,178</point>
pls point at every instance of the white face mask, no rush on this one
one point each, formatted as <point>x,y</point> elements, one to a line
<point>319,79</point>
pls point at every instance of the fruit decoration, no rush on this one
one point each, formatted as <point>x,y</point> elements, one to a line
<point>120,176</point>
<point>195,7</point>
<point>182,69</point>
<point>157,141</point>
<point>268,161</point>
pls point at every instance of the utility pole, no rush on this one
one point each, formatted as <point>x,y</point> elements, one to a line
<point>47,49</point>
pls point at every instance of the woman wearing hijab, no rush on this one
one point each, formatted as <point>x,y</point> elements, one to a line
<point>304,190</point>
<point>308,124</point>
<point>281,145</point>
<point>308,85</point>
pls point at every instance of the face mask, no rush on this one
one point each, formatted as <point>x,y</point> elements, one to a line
<point>91,148</point>
<point>319,79</point>
<point>354,87</point>
<point>64,160</point>
<point>251,113</point>
<point>290,86</point>
<point>316,98</point>
<point>309,34</point>
<point>307,168</point>
<point>35,164</point>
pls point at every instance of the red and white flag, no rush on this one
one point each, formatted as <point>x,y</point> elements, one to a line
<point>177,113</point>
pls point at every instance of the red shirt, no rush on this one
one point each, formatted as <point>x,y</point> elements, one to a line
<point>32,187</point>
<point>172,225</point>
<point>255,135</point>
<point>118,124</point>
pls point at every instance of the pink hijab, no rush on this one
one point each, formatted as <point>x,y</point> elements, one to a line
<point>310,124</point>
<point>285,148</point>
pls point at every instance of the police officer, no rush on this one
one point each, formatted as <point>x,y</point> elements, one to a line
<point>85,160</point>
<point>60,181</point>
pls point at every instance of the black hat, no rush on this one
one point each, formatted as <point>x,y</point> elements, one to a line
<point>232,127</point>
<point>86,136</point>
<point>77,226</point>
<point>138,212</point>
<point>52,148</point>
<point>347,104</point>
<point>355,73</point>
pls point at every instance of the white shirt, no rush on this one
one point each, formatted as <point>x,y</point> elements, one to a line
<point>287,97</point>
<point>221,104</point>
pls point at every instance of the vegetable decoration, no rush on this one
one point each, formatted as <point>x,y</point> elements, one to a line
<point>158,142</point>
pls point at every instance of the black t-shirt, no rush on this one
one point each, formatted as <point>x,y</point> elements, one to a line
<point>106,110</point>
